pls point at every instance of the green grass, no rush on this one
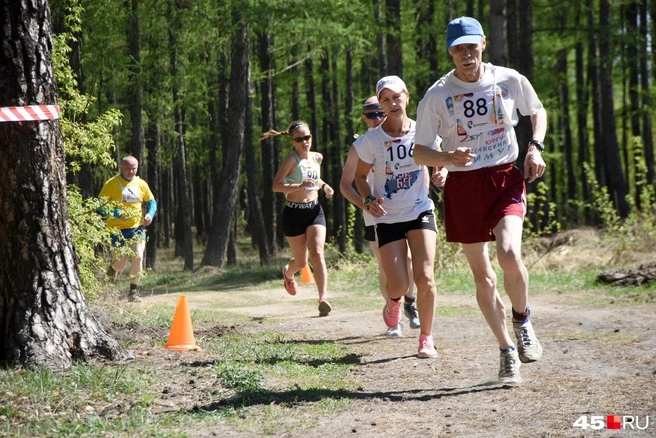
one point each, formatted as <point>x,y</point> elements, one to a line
<point>252,371</point>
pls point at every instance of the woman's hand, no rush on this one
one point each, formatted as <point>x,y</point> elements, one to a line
<point>376,208</point>
<point>439,176</point>
<point>329,192</point>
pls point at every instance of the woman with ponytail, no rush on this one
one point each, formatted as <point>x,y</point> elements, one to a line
<point>303,220</point>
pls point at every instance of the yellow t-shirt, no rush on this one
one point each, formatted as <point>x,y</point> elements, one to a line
<point>132,194</point>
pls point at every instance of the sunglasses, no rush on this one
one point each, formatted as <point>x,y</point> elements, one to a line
<point>376,115</point>
<point>302,139</point>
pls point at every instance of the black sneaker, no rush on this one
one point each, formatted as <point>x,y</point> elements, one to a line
<point>412,314</point>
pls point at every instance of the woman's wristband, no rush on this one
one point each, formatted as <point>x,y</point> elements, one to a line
<point>323,186</point>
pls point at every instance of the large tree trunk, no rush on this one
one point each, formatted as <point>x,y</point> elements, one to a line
<point>223,211</point>
<point>44,319</point>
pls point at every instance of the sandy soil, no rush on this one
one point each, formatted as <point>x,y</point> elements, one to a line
<point>599,359</point>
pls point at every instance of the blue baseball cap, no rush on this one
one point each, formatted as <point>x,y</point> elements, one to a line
<point>463,30</point>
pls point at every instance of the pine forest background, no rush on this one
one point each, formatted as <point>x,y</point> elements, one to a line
<point>198,81</point>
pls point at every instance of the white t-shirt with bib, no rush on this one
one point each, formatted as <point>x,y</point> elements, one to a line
<point>396,177</point>
<point>480,115</point>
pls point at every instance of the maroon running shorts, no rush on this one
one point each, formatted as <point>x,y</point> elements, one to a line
<point>475,201</point>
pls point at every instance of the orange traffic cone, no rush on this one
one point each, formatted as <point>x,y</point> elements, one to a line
<point>306,275</point>
<point>181,337</point>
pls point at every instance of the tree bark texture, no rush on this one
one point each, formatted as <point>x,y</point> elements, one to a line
<point>268,146</point>
<point>393,27</point>
<point>256,220</point>
<point>228,185</point>
<point>135,104</point>
<point>44,319</point>
<point>184,238</point>
<point>153,144</point>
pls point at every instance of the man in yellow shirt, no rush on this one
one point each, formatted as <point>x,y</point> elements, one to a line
<point>132,192</point>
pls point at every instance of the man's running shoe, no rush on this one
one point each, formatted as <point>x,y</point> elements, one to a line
<point>412,314</point>
<point>426,348</point>
<point>392,313</point>
<point>133,296</point>
<point>111,274</point>
<point>290,283</point>
<point>528,346</point>
<point>509,367</point>
<point>395,332</point>
<point>324,308</point>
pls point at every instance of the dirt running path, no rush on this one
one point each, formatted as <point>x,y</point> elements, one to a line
<point>598,360</point>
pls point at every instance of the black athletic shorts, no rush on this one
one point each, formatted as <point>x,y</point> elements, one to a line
<point>388,233</point>
<point>370,233</point>
<point>297,217</point>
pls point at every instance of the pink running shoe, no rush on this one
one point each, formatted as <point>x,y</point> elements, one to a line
<point>290,283</point>
<point>392,313</point>
<point>426,348</point>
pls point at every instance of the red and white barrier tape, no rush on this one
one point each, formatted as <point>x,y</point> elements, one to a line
<point>28,113</point>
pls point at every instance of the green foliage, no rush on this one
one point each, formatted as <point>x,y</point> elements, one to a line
<point>602,203</point>
<point>88,231</point>
<point>84,142</point>
<point>545,212</point>
<point>638,231</point>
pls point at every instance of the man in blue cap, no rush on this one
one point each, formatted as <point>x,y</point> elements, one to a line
<point>473,108</point>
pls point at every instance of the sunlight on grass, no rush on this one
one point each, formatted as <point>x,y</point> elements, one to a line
<point>259,376</point>
<point>66,400</point>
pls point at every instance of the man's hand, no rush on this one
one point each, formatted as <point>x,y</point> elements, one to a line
<point>534,166</point>
<point>462,157</point>
<point>147,220</point>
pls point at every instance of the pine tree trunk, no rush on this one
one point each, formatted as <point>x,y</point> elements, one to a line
<point>393,40</point>
<point>184,240</point>
<point>269,151</point>
<point>616,183</point>
<point>44,319</point>
<point>135,104</point>
<point>256,220</point>
<point>222,216</point>
<point>153,146</point>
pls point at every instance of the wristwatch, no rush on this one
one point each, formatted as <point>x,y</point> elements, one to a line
<point>368,200</point>
<point>538,144</point>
